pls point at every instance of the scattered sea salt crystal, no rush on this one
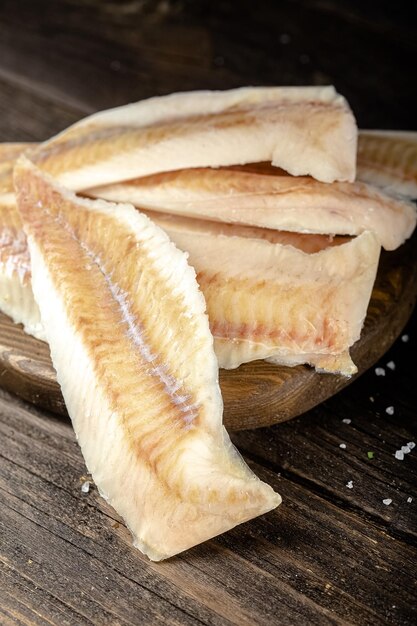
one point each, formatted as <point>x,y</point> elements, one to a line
<point>372,399</point>
<point>379,371</point>
<point>349,485</point>
<point>399,454</point>
<point>387,501</point>
<point>405,338</point>
<point>391,365</point>
<point>85,487</point>
<point>342,445</point>
<point>389,410</point>
<point>346,420</point>
<point>410,499</point>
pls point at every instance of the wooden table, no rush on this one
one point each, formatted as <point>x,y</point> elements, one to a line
<point>329,554</point>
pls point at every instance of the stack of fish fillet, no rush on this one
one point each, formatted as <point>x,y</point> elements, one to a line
<point>243,204</point>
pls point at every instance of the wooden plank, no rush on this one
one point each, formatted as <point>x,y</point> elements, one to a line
<point>28,116</point>
<point>105,54</point>
<point>101,57</point>
<point>263,571</point>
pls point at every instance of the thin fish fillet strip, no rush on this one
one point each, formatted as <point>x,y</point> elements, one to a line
<point>274,301</point>
<point>388,159</point>
<point>131,345</point>
<point>303,130</point>
<point>298,204</point>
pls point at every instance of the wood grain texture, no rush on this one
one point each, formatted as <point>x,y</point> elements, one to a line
<point>75,554</point>
<point>258,393</point>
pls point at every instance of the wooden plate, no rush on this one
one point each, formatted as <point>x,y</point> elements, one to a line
<point>256,394</point>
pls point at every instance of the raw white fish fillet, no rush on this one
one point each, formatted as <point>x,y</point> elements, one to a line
<point>16,298</point>
<point>8,154</point>
<point>305,130</point>
<point>131,345</point>
<point>266,300</point>
<point>388,159</point>
<point>297,204</point>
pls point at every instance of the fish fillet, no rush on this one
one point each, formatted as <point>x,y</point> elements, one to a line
<point>299,204</point>
<point>305,130</point>
<point>233,343</point>
<point>8,155</point>
<point>270,300</point>
<point>16,297</point>
<point>388,159</point>
<point>232,348</point>
<point>131,345</point>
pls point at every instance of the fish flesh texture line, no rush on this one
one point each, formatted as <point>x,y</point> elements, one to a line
<point>261,309</point>
<point>306,131</point>
<point>388,159</point>
<point>298,204</point>
<point>271,301</point>
<point>131,345</point>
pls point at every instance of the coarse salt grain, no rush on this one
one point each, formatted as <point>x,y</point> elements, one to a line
<point>391,365</point>
<point>349,485</point>
<point>379,371</point>
<point>342,445</point>
<point>405,338</point>
<point>405,449</point>
<point>346,420</point>
<point>411,445</point>
<point>85,487</point>
<point>399,454</point>
<point>372,399</point>
<point>387,501</point>
<point>389,410</point>
<point>409,500</point>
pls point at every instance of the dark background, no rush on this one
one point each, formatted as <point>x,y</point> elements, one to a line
<point>86,55</point>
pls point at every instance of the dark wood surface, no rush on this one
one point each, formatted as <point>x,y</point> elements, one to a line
<point>255,394</point>
<point>329,554</point>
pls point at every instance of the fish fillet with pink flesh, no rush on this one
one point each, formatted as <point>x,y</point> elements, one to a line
<point>268,299</point>
<point>305,130</point>
<point>298,204</point>
<point>131,345</point>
